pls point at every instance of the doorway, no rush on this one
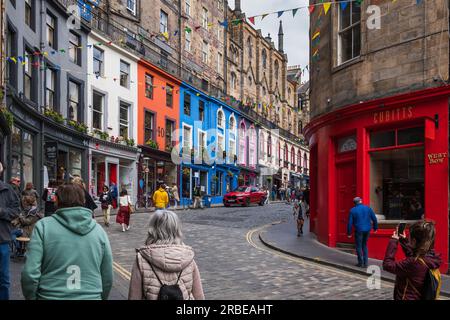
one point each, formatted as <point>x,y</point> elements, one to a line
<point>345,192</point>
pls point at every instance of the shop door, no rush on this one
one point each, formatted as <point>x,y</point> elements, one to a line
<point>346,191</point>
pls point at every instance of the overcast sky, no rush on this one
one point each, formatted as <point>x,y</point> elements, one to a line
<point>296,30</point>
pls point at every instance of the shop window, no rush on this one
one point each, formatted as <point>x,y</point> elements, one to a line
<point>22,154</point>
<point>410,136</point>
<point>124,120</point>
<point>382,139</point>
<point>216,184</point>
<point>397,183</point>
<point>97,110</point>
<point>346,144</point>
<point>149,126</point>
<point>74,163</point>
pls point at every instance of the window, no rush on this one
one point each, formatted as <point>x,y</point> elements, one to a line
<point>232,124</point>
<point>392,138</point>
<point>74,111</point>
<point>264,91</point>
<point>233,81</point>
<point>216,184</point>
<point>205,52</point>
<point>249,47</point>
<point>124,74</point>
<point>11,51</point>
<point>219,62</point>
<point>286,152</point>
<point>29,13</point>
<point>50,89</point>
<point>269,146</point>
<point>170,128</point>
<point>51,31</point>
<point>22,154</point>
<point>252,147</point>
<point>131,6</point>
<point>262,149</point>
<point>220,144</point>
<point>299,160</point>
<point>149,126</point>
<point>98,62</point>
<point>124,120</point>
<point>219,31</point>
<point>289,93</point>
<point>292,156</point>
<point>276,69</point>
<point>397,183</point>
<point>74,48</point>
<point>201,110</point>
<point>187,41</point>
<point>188,7</point>
<point>28,75</point>
<point>264,58</point>
<point>347,144</point>
<point>97,110</point>
<point>204,18</point>
<point>163,20</point>
<point>349,32</point>
<point>187,138</point>
<point>201,141</point>
<point>148,86</point>
<point>169,95</point>
<point>232,149</point>
<point>220,5</point>
<point>187,104</point>
<point>300,127</point>
<point>220,119</point>
<point>242,145</point>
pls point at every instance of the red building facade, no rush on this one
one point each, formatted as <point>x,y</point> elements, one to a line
<point>392,152</point>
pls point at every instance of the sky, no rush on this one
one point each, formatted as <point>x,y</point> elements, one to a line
<point>296,30</point>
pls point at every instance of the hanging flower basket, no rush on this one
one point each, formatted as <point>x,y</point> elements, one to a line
<point>186,171</point>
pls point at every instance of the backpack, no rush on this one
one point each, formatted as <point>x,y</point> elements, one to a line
<point>432,285</point>
<point>169,292</point>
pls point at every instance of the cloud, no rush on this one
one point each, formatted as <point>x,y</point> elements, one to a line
<point>296,29</point>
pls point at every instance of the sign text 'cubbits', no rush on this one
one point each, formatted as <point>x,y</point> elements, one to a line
<point>397,114</point>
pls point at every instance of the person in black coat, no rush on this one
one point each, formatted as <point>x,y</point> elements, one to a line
<point>49,197</point>
<point>106,201</point>
<point>89,203</point>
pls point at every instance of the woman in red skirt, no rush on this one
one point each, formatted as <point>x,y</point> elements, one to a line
<point>123,216</point>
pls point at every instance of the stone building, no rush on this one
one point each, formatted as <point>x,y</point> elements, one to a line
<point>379,126</point>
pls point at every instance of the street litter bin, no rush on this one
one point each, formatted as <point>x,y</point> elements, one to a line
<point>207,201</point>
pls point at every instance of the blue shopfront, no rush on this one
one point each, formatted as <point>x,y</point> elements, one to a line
<point>207,145</point>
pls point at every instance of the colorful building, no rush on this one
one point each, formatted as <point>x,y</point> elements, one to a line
<point>158,118</point>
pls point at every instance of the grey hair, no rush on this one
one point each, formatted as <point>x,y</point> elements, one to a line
<point>164,228</point>
<point>1,168</point>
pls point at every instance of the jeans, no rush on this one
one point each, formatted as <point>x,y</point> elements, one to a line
<point>4,271</point>
<point>14,235</point>
<point>361,239</point>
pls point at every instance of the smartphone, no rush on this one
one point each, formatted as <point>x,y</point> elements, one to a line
<point>401,228</point>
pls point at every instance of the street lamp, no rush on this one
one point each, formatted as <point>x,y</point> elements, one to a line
<point>146,159</point>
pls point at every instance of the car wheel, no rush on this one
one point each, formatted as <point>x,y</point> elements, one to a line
<point>247,202</point>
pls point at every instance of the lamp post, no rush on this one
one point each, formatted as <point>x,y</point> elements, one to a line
<point>146,173</point>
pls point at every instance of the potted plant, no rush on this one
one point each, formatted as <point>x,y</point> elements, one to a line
<point>130,142</point>
<point>9,118</point>
<point>152,144</point>
<point>186,171</point>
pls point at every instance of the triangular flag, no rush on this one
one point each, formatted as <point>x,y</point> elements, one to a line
<point>344,5</point>
<point>175,33</point>
<point>236,22</point>
<point>188,30</point>
<point>294,12</point>
<point>210,24</point>
<point>224,23</point>
<point>263,16</point>
<point>311,8</point>
<point>252,20</point>
<point>14,59</point>
<point>359,2</point>
<point>326,7</point>
<point>315,35</point>
<point>280,13</point>
<point>62,51</point>
<point>418,2</point>
<point>165,35</point>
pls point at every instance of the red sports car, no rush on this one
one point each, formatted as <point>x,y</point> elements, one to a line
<point>245,196</point>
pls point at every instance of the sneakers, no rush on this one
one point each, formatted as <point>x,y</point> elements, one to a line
<point>128,228</point>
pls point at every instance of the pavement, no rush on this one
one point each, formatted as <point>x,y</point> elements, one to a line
<point>282,236</point>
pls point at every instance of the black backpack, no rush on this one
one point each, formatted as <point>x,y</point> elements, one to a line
<point>169,292</point>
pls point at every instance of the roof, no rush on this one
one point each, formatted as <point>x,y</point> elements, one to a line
<point>303,88</point>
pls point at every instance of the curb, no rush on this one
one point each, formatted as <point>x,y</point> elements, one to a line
<point>329,264</point>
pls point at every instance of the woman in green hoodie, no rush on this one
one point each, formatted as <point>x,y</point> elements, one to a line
<point>69,255</point>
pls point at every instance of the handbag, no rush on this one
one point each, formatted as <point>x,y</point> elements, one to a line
<point>130,206</point>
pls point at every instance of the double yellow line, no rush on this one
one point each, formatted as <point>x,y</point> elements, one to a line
<point>122,271</point>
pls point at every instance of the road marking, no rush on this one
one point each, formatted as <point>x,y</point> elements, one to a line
<point>302,261</point>
<point>122,271</point>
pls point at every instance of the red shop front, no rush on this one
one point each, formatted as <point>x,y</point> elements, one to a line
<point>393,152</point>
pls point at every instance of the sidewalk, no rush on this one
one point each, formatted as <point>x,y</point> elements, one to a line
<point>283,237</point>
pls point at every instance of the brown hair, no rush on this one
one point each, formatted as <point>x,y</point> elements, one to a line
<point>70,195</point>
<point>29,201</point>
<point>29,186</point>
<point>423,232</point>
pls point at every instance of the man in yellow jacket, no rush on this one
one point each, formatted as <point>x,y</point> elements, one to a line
<point>160,197</point>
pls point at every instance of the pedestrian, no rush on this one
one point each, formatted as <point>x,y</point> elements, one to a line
<point>165,260</point>
<point>49,198</point>
<point>30,191</point>
<point>24,223</point>
<point>306,195</point>
<point>89,202</point>
<point>160,197</point>
<point>288,194</point>
<point>293,195</point>
<point>9,210</point>
<point>123,216</point>
<point>106,204</point>
<point>411,272</point>
<point>176,196</point>
<point>298,194</point>
<point>197,197</point>
<point>69,256</point>
<point>362,218</point>
<point>15,185</point>
<point>114,194</point>
<point>274,192</point>
<point>267,195</point>
<point>281,191</point>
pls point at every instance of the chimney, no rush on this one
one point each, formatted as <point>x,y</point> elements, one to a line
<point>268,38</point>
<point>280,37</point>
<point>237,6</point>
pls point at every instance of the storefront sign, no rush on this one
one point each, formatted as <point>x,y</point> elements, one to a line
<point>436,158</point>
<point>51,150</point>
<point>397,114</point>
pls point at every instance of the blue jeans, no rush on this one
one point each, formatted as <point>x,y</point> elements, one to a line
<point>361,239</point>
<point>4,271</point>
<point>14,234</point>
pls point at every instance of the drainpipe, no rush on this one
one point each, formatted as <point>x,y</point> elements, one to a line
<point>225,52</point>
<point>40,101</point>
<point>179,38</point>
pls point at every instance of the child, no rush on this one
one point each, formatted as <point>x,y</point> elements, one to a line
<point>300,220</point>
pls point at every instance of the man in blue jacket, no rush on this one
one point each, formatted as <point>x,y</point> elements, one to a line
<point>361,217</point>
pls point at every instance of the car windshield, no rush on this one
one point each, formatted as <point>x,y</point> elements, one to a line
<point>240,189</point>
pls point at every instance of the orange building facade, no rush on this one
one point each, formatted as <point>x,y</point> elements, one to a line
<point>158,118</point>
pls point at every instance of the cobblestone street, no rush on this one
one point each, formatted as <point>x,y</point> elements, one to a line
<point>235,265</point>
